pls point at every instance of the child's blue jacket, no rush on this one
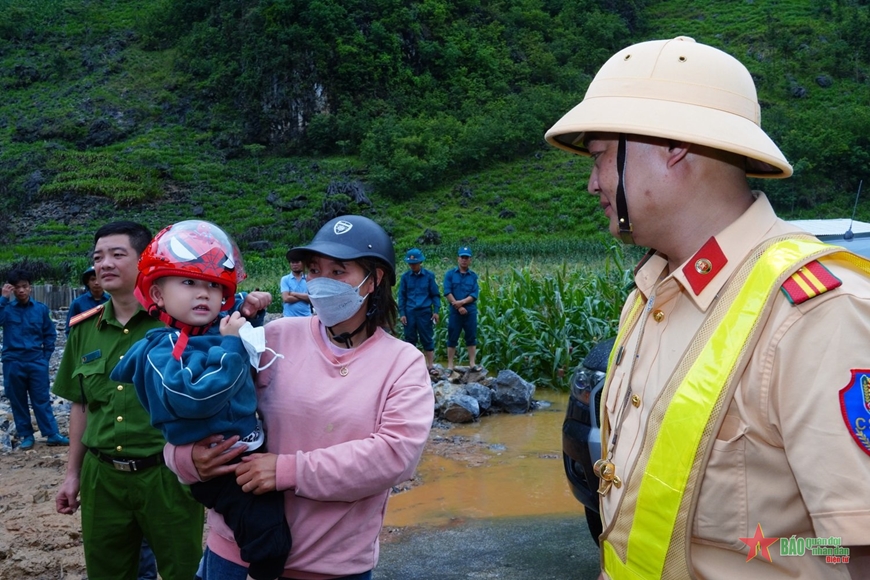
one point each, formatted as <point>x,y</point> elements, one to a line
<point>209,391</point>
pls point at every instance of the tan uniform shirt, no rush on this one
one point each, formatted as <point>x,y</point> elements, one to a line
<point>784,457</point>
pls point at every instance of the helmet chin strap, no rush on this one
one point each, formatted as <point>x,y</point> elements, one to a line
<point>345,337</point>
<point>187,330</point>
<point>625,232</point>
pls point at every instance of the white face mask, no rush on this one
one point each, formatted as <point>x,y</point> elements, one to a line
<point>334,301</point>
<point>254,341</point>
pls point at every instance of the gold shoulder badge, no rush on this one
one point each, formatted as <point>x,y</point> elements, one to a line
<point>85,315</point>
<point>808,282</point>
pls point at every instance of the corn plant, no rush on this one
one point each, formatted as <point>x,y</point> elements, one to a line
<point>541,325</point>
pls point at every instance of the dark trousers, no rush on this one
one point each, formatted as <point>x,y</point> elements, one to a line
<point>257,522</point>
<point>23,379</point>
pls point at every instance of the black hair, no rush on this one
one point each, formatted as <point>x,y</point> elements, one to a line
<point>139,235</point>
<point>381,307</point>
<point>17,275</point>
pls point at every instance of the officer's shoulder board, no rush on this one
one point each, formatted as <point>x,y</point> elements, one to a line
<point>810,281</point>
<point>85,315</point>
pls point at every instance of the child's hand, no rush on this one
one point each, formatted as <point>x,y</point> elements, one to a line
<point>230,325</point>
<point>254,302</point>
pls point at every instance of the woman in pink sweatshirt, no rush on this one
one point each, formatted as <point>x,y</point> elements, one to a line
<point>347,411</point>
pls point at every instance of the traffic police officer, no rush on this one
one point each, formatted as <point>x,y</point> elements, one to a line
<point>741,366</point>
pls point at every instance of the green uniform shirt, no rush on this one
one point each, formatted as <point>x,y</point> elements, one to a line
<point>117,422</point>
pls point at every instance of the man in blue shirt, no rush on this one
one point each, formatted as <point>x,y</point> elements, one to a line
<point>462,290</point>
<point>28,342</point>
<point>90,299</point>
<point>419,304</point>
<point>294,291</point>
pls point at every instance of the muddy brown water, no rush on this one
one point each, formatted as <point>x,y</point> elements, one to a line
<point>522,476</point>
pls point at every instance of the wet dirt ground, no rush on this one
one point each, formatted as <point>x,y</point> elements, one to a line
<point>490,501</point>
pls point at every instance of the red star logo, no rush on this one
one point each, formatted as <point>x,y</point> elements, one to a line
<point>758,543</point>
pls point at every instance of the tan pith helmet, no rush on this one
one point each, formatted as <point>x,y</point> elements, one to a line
<point>677,89</point>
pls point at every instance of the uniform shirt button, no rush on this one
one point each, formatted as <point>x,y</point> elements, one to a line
<point>119,419</point>
<point>119,448</point>
<point>635,400</point>
<point>120,387</point>
<point>658,315</point>
<point>126,331</point>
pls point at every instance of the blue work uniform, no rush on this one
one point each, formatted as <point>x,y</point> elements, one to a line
<point>419,299</point>
<point>28,343</point>
<point>462,285</point>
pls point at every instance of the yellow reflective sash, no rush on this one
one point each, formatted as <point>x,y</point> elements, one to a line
<point>676,450</point>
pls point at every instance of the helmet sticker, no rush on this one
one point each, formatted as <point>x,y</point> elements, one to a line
<point>342,227</point>
<point>185,253</point>
<point>181,251</point>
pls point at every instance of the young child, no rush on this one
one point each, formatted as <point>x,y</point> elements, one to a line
<point>194,378</point>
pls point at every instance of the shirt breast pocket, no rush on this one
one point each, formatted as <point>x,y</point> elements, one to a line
<point>91,377</point>
<point>722,505</point>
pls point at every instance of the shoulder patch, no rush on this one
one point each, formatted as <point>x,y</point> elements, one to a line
<point>808,282</point>
<point>85,315</point>
<point>855,406</point>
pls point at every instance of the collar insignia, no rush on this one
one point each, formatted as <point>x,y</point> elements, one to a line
<point>704,265</point>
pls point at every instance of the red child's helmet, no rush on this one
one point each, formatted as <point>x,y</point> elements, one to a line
<point>195,249</point>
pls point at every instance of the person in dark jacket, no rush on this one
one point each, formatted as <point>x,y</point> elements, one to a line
<point>462,291</point>
<point>28,343</point>
<point>419,304</point>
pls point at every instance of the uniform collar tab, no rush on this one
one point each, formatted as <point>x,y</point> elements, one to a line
<point>704,266</point>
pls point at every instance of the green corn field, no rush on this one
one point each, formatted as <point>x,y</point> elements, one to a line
<point>541,324</point>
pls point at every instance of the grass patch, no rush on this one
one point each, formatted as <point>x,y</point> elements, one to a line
<point>102,174</point>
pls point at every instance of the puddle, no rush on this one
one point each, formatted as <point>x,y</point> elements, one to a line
<point>523,476</point>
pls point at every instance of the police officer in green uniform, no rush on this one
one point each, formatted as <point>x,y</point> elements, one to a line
<point>116,456</point>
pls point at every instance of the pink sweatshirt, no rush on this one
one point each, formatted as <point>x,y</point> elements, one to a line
<point>342,443</point>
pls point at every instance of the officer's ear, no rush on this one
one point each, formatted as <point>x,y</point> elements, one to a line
<point>677,152</point>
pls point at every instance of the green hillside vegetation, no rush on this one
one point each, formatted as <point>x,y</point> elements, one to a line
<point>270,117</point>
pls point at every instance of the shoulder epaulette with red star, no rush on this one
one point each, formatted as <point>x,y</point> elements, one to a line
<point>808,282</point>
<point>85,315</point>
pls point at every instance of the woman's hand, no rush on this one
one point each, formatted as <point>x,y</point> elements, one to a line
<point>256,473</point>
<point>210,456</point>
